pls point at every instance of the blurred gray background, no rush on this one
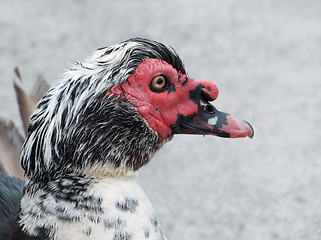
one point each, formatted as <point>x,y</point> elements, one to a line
<point>264,56</point>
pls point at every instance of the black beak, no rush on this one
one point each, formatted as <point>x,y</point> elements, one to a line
<point>209,121</point>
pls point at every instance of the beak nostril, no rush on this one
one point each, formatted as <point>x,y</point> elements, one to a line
<point>209,108</point>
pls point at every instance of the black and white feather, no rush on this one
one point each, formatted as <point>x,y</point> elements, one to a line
<point>78,142</point>
<point>75,129</point>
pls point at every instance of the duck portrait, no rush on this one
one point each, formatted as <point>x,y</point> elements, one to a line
<point>93,130</point>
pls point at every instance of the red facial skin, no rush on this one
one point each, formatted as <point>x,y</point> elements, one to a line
<point>160,109</point>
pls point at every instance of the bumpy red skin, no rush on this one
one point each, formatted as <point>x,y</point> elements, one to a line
<point>161,110</point>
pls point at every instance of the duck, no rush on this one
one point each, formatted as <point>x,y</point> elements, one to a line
<point>91,133</point>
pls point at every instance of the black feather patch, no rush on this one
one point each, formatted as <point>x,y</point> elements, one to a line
<point>10,196</point>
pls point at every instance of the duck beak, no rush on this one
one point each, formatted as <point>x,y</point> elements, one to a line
<point>209,121</point>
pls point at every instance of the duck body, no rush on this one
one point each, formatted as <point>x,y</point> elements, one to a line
<point>96,128</point>
<point>75,207</point>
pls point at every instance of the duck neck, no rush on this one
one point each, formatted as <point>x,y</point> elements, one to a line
<point>81,207</point>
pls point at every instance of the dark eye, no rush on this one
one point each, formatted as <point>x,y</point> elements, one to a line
<point>159,83</point>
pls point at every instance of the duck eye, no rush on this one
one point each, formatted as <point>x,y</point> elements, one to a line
<point>159,83</point>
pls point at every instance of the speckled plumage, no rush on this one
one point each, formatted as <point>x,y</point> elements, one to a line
<point>73,117</point>
<point>91,133</point>
<point>74,207</point>
<point>78,142</point>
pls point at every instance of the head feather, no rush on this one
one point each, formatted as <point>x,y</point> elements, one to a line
<point>75,129</point>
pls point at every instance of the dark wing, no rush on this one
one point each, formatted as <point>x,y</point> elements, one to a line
<point>10,197</point>
<point>10,146</point>
<point>27,102</point>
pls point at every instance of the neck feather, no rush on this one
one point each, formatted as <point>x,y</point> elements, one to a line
<point>108,138</point>
<point>79,207</point>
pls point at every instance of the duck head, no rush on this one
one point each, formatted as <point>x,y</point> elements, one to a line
<point>172,103</point>
<point>110,114</point>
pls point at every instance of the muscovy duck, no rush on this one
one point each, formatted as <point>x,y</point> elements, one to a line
<point>91,133</point>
